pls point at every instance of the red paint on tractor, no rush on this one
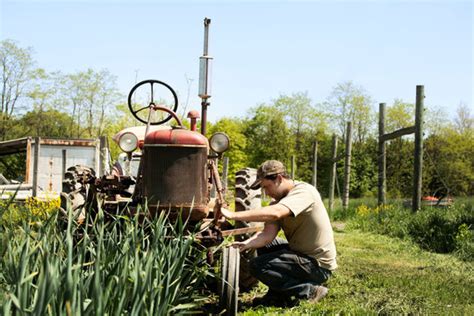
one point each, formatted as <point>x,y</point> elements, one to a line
<point>176,137</point>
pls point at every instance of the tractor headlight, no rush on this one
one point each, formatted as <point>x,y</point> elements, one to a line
<point>128,142</point>
<point>219,142</point>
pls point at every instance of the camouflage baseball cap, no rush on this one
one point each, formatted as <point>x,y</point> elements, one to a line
<point>268,168</point>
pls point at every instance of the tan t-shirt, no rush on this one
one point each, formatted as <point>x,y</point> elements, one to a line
<point>309,231</point>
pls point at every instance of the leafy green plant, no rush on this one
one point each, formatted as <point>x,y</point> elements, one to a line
<point>127,264</point>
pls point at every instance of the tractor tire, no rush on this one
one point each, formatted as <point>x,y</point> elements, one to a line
<point>76,193</point>
<point>229,287</point>
<point>246,199</point>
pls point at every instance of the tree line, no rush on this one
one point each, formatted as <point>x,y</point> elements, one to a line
<point>84,104</point>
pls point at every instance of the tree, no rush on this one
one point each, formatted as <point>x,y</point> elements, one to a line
<point>268,135</point>
<point>90,97</point>
<point>44,91</point>
<point>464,121</point>
<point>44,123</point>
<point>348,102</point>
<point>300,115</point>
<point>16,65</point>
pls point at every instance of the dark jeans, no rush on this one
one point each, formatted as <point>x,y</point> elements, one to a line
<point>286,272</point>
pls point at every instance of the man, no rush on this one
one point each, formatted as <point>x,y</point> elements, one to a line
<point>296,267</point>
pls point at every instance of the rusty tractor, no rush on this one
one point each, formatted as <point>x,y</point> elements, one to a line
<point>172,169</point>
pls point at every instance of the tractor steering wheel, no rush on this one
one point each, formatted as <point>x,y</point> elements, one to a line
<point>136,108</point>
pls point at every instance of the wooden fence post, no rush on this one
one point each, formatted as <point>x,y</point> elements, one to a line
<point>314,180</point>
<point>36,166</point>
<point>332,173</point>
<point>293,167</point>
<point>381,157</point>
<point>347,167</point>
<point>417,175</point>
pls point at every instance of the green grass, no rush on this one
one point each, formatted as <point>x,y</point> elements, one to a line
<point>383,275</point>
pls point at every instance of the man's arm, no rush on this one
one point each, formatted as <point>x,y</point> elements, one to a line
<point>260,239</point>
<point>269,213</point>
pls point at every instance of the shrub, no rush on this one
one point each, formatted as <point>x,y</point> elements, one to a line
<point>13,212</point>
<point>442,230</point>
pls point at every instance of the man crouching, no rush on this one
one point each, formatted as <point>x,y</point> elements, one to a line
<point>296,267</point>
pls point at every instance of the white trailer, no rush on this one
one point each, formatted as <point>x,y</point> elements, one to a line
<point>47,160</point>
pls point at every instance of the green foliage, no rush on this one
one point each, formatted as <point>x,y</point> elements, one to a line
<point>266,126</point>
<point>33,209</point>
<point>237,154</point>
<point>364,169</point>
<point>49,123</point>
<point>465,242</point>
<point>13,166</point>
<point>443,230</point>
<point>122,265</point>
<point>450,162</point>
<point>400,162</point>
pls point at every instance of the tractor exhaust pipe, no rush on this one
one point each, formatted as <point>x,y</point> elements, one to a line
<point>205,62</point>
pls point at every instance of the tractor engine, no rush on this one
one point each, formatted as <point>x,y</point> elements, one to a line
<point>173,173</point>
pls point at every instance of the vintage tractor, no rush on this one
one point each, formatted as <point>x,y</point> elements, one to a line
<point>174,171</point>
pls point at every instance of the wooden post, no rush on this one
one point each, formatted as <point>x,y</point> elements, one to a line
<point>35,166</point>
<point>64,165</point>
<point>347,167</point>
<point>332,173</point>
<point>104,156</point>
<point>417,176</point>
<point>293,167</point>
<point>314,180</point>
<point>381,158</point>
<point>225,172</point>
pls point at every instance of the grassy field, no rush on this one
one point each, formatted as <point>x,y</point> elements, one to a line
<point>383,275</point>
<point>388,273</point>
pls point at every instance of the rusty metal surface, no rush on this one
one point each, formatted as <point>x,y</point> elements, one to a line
<point>240,231</point>
<point>69,142</point>
<point>20,145</point>
<point>176,136</point>
<point>175,177</point>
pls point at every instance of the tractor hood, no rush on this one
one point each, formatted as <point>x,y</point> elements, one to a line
<point>176,137</point>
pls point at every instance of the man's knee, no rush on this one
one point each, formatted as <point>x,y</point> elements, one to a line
<point>255,267</point>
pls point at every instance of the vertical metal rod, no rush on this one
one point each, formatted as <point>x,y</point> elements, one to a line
<point>347,167</point>
<point>381,157</point>
<point>293,166</point>
<point>332,173</point>
<point>225,172</point>
<point>314,180</point>
<point>35,166</point>
<point>205,103</point>
<point>207,21</point>
<point>418,170</point>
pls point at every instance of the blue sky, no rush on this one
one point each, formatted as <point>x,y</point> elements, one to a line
<point>261,49</point>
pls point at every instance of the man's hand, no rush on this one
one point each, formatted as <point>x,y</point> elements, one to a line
<point>241,245</point>
<point>227,214</point>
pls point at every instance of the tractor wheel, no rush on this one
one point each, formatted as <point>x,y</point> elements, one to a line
<point>76,188</point>
<point>229,287</point>
<point>246,199</point>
